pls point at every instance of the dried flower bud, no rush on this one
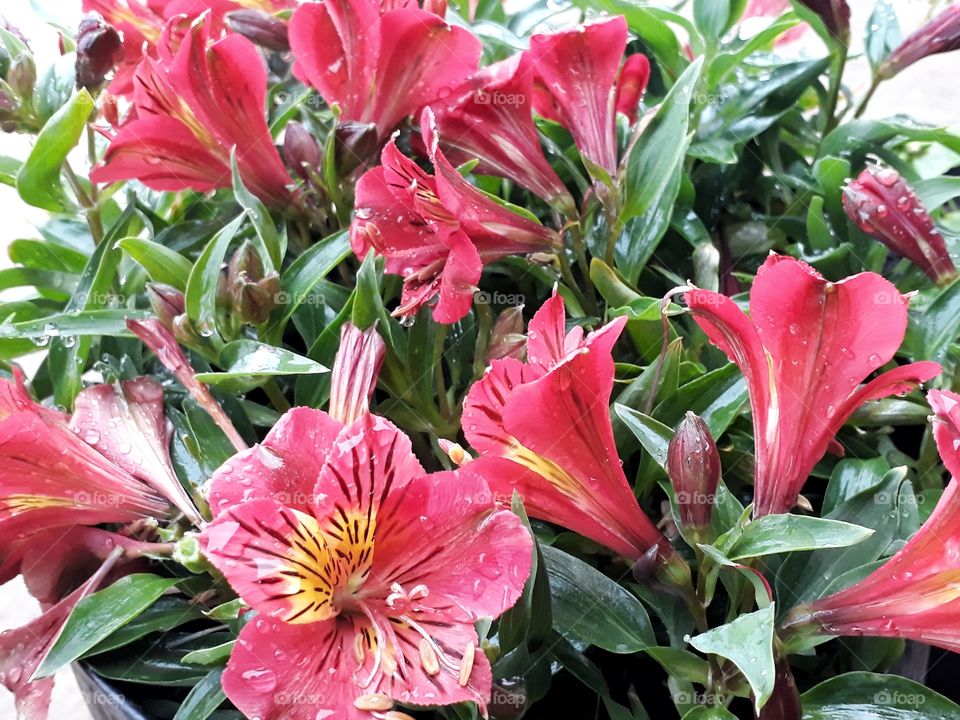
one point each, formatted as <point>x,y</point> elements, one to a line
<point>99,50</point>
<point>693,465</point>
<point>166,302</point>
<point>252,294</point>
<point>883,205</point>
<point>835,15</point>
<point>260,28</point>
<point>940,35</point>
<point>355,143</point>
<point>507,338</point>
<point>301,151</point>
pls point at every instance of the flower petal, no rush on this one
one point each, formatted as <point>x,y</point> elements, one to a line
<point>284,467</point>
<point>126,424</point>
<point>946,427</point>
<point>477,557</point>
<point>483,422</point>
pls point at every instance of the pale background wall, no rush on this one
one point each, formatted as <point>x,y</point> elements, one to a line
<point>928,91</point>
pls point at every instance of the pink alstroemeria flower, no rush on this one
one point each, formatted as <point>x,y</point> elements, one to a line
<point>804,350</point>
<point>181,137</point>
<point>437,231</point>
<point>916,593</point>
<point>141,23</point>
<point>355,372</point>
<point>380,65</point>
<point>577,73</point>
<point>367,573</point>
<point>940,35</point>
<point>489,118</point>
<point>108,463</point>
<point>543,429</point>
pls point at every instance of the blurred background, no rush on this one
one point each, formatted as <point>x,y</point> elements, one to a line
<point>928,92</point>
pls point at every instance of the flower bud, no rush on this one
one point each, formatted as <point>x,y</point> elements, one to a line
<point>693,465</point>
<point>884,206</point>
<point>252,294</point>
<point>166,302</point>
<point>835,15</point>
<point>301,151</point>
<point>940,35</point>
<point>355,143</point>
<point>22,75</point>
<point>99,50</point>
<point>260,28</point>
<point>507,338</point>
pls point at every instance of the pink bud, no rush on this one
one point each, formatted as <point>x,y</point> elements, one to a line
<point>835,15</point>
<point>693,465</point>
<point>260,28</point>
<point>940,35</point>
<point>99,50</point>
<point>884,206</point>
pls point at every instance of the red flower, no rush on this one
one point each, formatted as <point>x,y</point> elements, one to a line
<point>489,117</point>
<point>543,429</point>
<point>181,137</point>
<point>366,572</point>
<point>883,205</point>
<point>437,231</point>
<point>915,594</point>
<point>576,76</point>
<point>940,35</point>
<point>804,350</point>
<point>142,23</point>
<point>379,68</point>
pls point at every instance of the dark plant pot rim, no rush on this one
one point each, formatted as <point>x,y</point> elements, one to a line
<point>103,699</point>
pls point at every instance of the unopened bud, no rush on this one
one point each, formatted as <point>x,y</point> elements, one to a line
<point>693,465</point>
<point>355,143</point>
<point>22,75</point>
<point>166,302</point>
<point>940,35</point>
<point>301,151</point>
<point>252,294</point>
<point>260,28</point>
<point>885,207</point>
<point>835,15</point>
<point>507,338</point>
<point>99,50</point>
<point>455,452</point>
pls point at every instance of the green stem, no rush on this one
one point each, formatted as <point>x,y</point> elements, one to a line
<point>441,383</point>
<point>277,398</point>
<point>868,97</point>
<point>836,82</point>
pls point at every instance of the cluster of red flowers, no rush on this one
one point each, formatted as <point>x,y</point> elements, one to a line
<point>366,572</point>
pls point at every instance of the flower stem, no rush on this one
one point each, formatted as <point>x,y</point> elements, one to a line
<point>868,97</point>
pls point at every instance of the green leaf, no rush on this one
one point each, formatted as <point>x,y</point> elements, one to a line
<point>9,167</point>
<point>210,655</point>
<point>303,275</point>
<point>46,255</point>
<point>804,577</point>
<point>934,326</point>
<point>589,607</point>
<point>99,615</point>
<point>883,33</point>
<point>772,534</point>
<point>724,63</point>
<point>653,170</point>
<point>681,663</point>
<point>652,434</point>
<point>711,18</point>
<point>164,615</point>
<point>154,662</point>
<point>249,364</point>
<point>67,357</point>
<point>851,476</point>
<point>747,642</point>
<point>75,324</point>
<point>162,264</point>
<point>863,696</point>
<point>270,248</point>
<point>38,181</point>
<point>934,192</point>
<point>201,290</point>
<point>206,696</point>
